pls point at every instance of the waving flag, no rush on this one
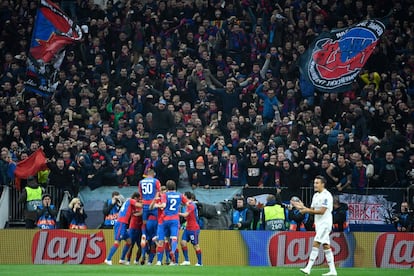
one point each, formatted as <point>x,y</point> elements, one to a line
<point>335,58</point>
<point>31,166</point>
<point>53,30</point>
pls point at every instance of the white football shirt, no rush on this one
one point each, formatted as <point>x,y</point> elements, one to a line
<point>319,200</point>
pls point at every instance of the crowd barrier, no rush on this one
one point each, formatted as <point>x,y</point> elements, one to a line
<point>371,210</point>
<point>16,209</point>
<point>219,247</point>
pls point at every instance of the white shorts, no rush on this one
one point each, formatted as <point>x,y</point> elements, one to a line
<point>322,235</point>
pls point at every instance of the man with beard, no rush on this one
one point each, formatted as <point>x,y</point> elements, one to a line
<point>165,170</point>
<point>254,171</point>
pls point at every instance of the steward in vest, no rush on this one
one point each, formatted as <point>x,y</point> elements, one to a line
<point>111,209</point>
<point>32,197</point>
<point>242,216</point>
<point>273,217</point>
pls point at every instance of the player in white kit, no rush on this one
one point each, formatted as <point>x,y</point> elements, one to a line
<point>321,207</point>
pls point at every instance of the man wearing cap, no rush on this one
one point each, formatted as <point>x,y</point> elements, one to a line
<point>161,141</point>
<point>373,140</point>
<point>162,118</point>
<point>95,175</point>
<point>113,173</point>
<point>94,152</point>
<point>202,174</point>
<point>32,196</point>
<point>185,177</point>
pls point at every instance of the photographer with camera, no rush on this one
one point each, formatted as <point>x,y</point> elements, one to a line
<point>76,215</point>
<point>404,221</point>
<point>111,210</point>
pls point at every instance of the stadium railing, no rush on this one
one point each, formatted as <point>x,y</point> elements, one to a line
<point>16,209</point>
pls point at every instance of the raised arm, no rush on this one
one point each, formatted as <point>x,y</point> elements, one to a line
<point>260,93</point>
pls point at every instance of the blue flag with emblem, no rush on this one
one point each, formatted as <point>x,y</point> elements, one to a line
<point>335,58</point>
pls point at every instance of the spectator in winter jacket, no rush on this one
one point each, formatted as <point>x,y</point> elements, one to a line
<point>340,216</point>
<point>166,170</point>
<point>95,175</point>
<point>61,176</point>
<point>290,178</point>
<point>162,118</point>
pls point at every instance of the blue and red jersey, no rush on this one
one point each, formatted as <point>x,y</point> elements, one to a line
<point>148,189</point>
<point>173,202</point>
<point>192,218</point>
<point>136,221</point>
<point>160,212</point>
<point>126,210</point>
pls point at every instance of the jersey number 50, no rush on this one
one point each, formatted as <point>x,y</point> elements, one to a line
<point>146,188</point>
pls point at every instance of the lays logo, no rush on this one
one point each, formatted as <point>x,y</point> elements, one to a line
<point>293,249</point>
<point>395,250</point>
<point>65,247</point>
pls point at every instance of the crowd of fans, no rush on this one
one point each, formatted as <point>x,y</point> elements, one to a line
<point>208,94</point>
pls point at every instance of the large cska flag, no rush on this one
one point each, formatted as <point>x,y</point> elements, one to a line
<point>29,167</point>
<point>335,58</point>
<point>53,30</point>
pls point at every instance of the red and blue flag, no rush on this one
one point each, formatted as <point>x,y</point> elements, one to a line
<point>53,31</point>
<point>335,58</point>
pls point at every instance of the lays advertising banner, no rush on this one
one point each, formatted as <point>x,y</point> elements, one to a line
<point>255,248</point>
<point>394,250</point>
<point>60,246</point>
<point>293,248</point>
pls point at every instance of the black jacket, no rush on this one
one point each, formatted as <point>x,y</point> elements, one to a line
<point>162,121</point>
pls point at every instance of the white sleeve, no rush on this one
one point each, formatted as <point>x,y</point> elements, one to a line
<point>313,201</point>
<point>327,200</point>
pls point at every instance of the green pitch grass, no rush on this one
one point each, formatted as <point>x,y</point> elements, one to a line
<point>100,270</point>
